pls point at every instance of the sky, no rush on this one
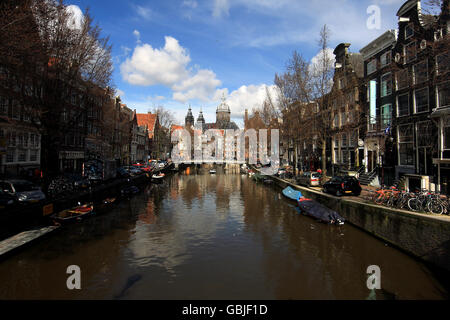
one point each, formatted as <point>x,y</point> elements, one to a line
<point>177,53</point>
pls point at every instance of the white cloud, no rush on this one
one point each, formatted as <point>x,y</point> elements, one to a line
<point>169,66</point>
<point>148,66</point>
<point>76,17</point>
<point>200,86</point>
<point>137,34</point>
<point>190,4</point>
<point>249,97</point>
<point>144,12</point>
<point>317,60</point>
<point>293,21</point>
<point>120,93</point>
<point>220,8</point>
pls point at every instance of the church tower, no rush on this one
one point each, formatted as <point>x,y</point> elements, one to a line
<point>200,121</point>
<point>223,112</point>
<point>189,120</point>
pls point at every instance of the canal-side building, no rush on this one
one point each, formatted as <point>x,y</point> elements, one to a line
<point>20,138</point>
<point>346,111</point>
<point>415,132</point>
<point>441,112</point>
<point>379,156</point>
<point>156,140</point>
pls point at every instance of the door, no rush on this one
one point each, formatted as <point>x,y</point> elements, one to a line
<point>370,160</point>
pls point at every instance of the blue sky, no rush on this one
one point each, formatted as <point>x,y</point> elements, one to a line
<point>180,52</point>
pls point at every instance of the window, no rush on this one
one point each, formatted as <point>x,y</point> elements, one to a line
<point>372,66</point>
<point>15,112</point>
<point>402,79</point>
<point>386,115</point>
<point>344,140</point>
<point>403,105</point>
<point>409,31</point>
<point>12,139</point>
<point>25,139</point>
<point>22,156</point>
<point>336,120</point>
<point>443,63</point>
<point>410,51</point>
<point>420,72</point>
<point>446,133</point>
<point>424,131</point>
<point>405,145</point>
<point>10,155</point>
<point>3,106</point>
<point>443,94</point>
<point>385,59</point>
<point>421,100</point>
<point>20,140</point>
<point>386,84</point>
<point>438,35</point>
<point>33,155</point>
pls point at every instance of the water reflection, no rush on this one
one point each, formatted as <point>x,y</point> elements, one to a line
<point>202,236</point>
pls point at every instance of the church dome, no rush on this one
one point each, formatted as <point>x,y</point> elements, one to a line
<point>223,107</point>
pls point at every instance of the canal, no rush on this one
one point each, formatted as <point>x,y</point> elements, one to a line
<point>203,236</point>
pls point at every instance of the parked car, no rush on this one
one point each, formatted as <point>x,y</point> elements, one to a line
<point>342,185</point>
<point>6,200</point>
<point>310,179</point>
<point>24,191</point>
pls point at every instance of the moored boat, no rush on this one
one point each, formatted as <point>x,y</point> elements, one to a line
<point>105,205</point>
<point>313,208</point>
<point>158,176</point>
<point>212,171</point>
<point>74,214</point>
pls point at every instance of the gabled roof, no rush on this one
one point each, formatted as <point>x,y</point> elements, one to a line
<point>175,127</point>
<point>149,120</point>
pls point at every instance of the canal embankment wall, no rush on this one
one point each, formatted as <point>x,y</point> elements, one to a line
<point>424,236</point>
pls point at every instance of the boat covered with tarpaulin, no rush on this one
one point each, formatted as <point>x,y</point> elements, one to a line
<point>313,208</point>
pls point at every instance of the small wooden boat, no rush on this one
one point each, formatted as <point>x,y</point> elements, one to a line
<point>158,176</point>
<point>105,205</point>
<point>313,208</point>
<point>74,214</point>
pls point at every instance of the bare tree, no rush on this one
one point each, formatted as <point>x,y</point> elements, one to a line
<point>322,84</point>
<point>165,116</point>
<point>53,65</point>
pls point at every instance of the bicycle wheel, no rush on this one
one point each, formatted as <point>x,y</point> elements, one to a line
<point>413,204</point>
<point>435,207</point>
<point>379,199</point>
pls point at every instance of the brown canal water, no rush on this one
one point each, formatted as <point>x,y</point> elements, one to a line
<point>212,237</point>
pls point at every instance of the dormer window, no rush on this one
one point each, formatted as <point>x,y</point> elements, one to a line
<point>409,31</point>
